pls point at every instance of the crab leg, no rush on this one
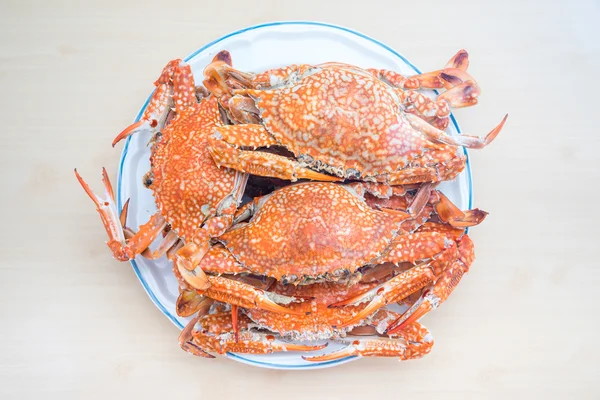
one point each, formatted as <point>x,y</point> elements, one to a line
<point>414,247</point>
<point>437,135</point>
<point>429,80</point>
<point>166,243</point>
<point>219,74</point>
<point>454,74</point>
<point>405,248</point>
<point>234,292</point>
<point>235,323</point>
<point>414,342</point>
<point>452,215</point>
<point>122,250</point>
<point>391,291</point>
<point>449,231</point>
<point>174,90</point>
<point>260,163</point>
<point>221,79</point>
<point>461,90</point>
<point>249,342</point>
<point>443,287</point>
<point>192,253</point>
<point>409,176</point>
<point>158,108</point>
<point>186,340</point>
<point>215,333</point>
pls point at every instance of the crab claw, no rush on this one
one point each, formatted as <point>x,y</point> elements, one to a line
<point>121,248</point>
<point>464,94</point>
<point>234,292</point>
<point>391,291</point>
<point>441,290</point>
<point>459,61</point>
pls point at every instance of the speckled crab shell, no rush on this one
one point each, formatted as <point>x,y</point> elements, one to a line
<point>344,120</point>
<point>320,230</point>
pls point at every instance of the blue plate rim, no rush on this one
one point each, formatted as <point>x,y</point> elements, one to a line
<point>150,293</point>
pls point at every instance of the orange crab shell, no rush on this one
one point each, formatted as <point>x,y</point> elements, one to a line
<point>345,118</point>
<point>311,230</point>
<point>187,184</point>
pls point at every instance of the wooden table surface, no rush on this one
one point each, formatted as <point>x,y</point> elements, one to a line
<point>524,321</point>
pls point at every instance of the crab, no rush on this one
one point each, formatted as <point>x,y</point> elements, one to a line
<point>195,198</point>
<point>349,122</point>
<point>434,259</point>
<point>212,330</point>
<point>318,231</point>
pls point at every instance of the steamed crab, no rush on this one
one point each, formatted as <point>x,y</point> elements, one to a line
<point>431,263</point>
<point>195,198</point>
<point>347,121</point>
<point>317,231</point>
<point>329,310</point>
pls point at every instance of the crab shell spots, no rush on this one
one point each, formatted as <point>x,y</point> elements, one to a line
<point>218,259</point>
<point>221,323</point>
<point>318,321</point>
<point>415,247</point>
<point>311,229</point>
<point>343,117</point>
<point>187,184</point>
<point>447,230</point>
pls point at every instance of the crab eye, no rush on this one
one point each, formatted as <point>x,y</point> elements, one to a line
<point>148,180</point>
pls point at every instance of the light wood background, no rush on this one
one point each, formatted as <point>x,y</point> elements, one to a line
<point>524,323</point>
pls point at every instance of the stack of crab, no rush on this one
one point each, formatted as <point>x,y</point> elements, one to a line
<point>298,203</point>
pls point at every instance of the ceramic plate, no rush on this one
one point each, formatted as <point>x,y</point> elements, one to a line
<point>256,49</point>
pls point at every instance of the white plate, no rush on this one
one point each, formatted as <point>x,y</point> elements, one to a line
<point>258,48</point>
